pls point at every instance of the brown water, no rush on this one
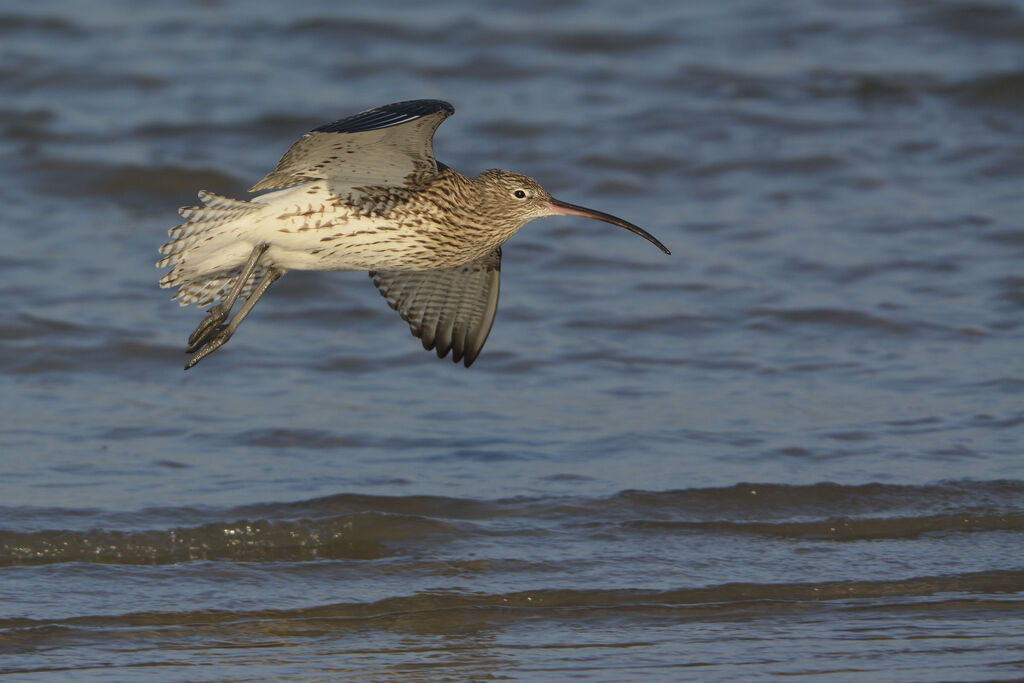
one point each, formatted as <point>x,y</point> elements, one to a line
<point>791,450</point>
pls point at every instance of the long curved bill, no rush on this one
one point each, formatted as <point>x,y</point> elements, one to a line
<point>565,208</point>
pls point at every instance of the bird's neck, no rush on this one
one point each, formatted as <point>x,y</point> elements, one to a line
<point>462,204</point>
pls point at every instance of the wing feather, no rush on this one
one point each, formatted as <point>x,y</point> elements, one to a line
<point>390,145</point>
<point>450,309</point>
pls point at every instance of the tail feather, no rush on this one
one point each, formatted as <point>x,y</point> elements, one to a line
<point>206,292</point>
<point>202,225</point>
<point>200,220</point>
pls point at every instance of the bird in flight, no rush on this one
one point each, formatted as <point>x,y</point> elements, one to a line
<point>364,193</point>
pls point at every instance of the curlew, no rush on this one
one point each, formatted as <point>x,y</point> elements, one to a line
<point>364,193</point>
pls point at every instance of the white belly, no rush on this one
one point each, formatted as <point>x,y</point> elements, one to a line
<point>307,229</point>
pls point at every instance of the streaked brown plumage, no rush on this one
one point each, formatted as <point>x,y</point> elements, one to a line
<point>365,193</point>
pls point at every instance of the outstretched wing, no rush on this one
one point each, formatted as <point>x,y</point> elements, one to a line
<point>451,309</point>
<point>390,145</point>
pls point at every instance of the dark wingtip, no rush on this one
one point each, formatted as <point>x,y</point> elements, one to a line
<point>387,115</point>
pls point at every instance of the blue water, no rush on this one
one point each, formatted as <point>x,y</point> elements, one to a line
<point>793,448</point>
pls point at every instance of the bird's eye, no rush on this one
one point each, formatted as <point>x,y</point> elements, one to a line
<point>519,194</point>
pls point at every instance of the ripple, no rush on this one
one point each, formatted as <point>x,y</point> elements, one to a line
<point>832,317</point>
<point>366,527</point>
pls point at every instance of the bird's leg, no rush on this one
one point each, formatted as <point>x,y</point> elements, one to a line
<point>223,334</point>
<point>219,313</point>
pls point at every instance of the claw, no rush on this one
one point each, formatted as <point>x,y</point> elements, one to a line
<point>197,340</point>
<point>207,328</point>
<point>221,338</point>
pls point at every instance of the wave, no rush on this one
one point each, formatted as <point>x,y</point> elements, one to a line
<point>137,183</point>
<point>352,526</point>
<point>432,611</point>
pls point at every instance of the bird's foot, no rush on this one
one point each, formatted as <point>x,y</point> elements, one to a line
<point>210,326</point>
<point>215,339</point>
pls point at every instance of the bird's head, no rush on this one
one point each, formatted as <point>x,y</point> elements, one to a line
<point>514,200</point>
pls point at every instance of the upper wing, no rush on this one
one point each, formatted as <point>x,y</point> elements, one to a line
<point>448,308</point>
<point>389,145</point>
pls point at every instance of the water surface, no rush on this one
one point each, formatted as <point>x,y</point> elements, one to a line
<point>792,449</point>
